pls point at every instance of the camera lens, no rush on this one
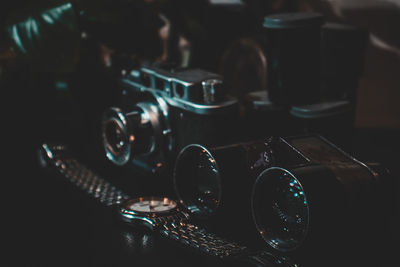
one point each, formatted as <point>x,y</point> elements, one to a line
<point>280,209</point>
<point>116,139</point>
<point>197,180</point>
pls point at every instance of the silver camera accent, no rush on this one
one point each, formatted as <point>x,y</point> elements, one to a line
<point>159,108</point>
<point>195,90</point>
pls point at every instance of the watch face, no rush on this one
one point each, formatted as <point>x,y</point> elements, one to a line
<point>151,204</point>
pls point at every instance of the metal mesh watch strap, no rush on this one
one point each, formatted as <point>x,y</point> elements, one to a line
<point>198,238</point>
<point>176,227</point>
<point>81,176</point>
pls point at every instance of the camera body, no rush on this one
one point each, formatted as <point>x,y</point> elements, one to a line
<point>162,110</point>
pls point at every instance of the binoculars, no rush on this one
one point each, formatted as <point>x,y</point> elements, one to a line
<point>294,189</point>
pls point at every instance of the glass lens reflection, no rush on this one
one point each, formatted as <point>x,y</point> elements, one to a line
<point>206,181</point>
<point>115,137</point>
<point>281,210</point>
<point>197,180</point>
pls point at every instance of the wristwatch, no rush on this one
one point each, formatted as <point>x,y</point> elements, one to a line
<point>157,213</point>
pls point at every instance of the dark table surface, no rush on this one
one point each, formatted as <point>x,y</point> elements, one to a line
<point>47,222</point>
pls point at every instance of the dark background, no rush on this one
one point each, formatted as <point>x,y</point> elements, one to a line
<point>46,222</point>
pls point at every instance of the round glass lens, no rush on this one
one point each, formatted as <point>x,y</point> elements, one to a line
<point>197,180</point>
<point>280,209</point>
<point>115,137</point>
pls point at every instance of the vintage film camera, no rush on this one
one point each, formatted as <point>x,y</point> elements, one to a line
<point>161,111</point>
<point>299,191</point>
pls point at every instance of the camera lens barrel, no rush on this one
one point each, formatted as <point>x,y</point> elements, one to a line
<point>293,57</point>
<point>115,134</point>
<point>127,134</point>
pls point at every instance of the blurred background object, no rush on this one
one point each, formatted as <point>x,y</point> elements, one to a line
<point>378,92</point>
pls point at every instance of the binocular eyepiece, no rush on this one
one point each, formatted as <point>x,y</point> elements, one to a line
<point>280,209</point>
<point>199,182</point>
